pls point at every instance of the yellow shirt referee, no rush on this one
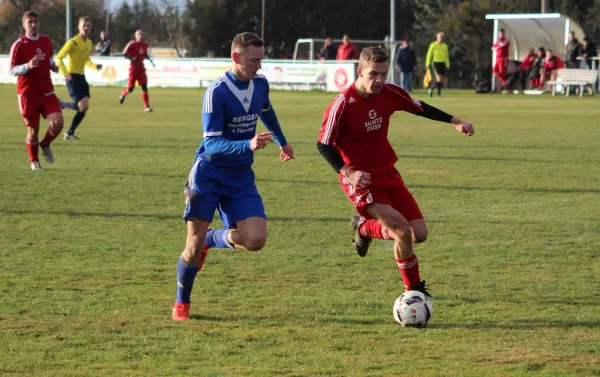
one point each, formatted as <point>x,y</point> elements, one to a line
<point>78,49</point>
<point>438,58</point>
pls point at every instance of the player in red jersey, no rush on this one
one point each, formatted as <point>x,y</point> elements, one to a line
<point>136,51</point>
<point>353,139</point>
<point>31,60</point>
<point>501,66</point>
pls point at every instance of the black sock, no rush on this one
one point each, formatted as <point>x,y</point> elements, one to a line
<point>76,121</point>
<point>439,86</point>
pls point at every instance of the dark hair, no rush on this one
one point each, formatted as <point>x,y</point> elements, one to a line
<point>30,14</point>
<point>502,30</point>
<point>245,39</point>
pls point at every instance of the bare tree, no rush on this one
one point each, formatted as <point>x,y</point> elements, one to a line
<point>173,24</point>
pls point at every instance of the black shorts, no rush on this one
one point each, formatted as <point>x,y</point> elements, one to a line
<point>78,87</point>
<point>440,68</point>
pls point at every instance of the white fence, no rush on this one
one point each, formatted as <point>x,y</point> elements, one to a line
<point>184,73</point>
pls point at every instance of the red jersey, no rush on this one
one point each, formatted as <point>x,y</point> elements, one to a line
<point>36,82</point>
<point>136,49</point>
<point>528,62</point>
<point>501,46</point>
<point>358,127</point>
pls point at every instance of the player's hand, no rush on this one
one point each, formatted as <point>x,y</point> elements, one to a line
<point>99,66</point>
<point>35,62</point>
<point>463,126</point>
<point>54,68</point>
<point>261,140</point>
<point>359,179</point>
<point>68,77</point>
<point>287,153</point>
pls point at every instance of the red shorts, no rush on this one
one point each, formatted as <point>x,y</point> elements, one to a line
<point>138,75</point>
<point>31,107</point>
<point>386,188</point>
<point>501,66</point>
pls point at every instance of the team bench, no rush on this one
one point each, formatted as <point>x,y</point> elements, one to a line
<point>579,78</point>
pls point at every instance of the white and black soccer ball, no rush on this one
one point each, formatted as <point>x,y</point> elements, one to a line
<point>413,309</point>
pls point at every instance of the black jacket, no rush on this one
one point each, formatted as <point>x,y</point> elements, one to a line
<point>329,53</point>
<point>407,60</point>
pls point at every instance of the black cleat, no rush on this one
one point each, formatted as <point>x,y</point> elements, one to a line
<point>421,288</point>
<point>121,99</point>
<point>361,243</point>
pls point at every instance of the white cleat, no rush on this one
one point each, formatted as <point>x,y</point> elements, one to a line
<point>70,137</point>
<point>47,153</point>
<point>148,109</point>
<point>35,166</point>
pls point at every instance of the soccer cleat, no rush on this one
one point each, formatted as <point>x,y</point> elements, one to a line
<point>147,109</point>
<point>421,288</point>
<point>47,153</point>
<point>35,166</point>
<point>181,312</point>
<point>121,99</point>
<point>361,243</point>
<point>69,136</point>
<point>431,92</point>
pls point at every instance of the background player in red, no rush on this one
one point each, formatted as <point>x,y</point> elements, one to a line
<point>353,139</point>
<point>31,60</point>
<point>136,51</point>
<point>501,66</point>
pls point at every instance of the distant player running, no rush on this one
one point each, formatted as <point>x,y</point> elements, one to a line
<point>136,51</point>
<point>31,60</point>
<point>221,177</point>
<point>78,49</point>
<point>354,140</point>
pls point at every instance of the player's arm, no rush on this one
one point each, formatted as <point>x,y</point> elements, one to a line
<point>17,69</point>
<point>89,63</point>
<point>128,54</point>
<point>269,119</point>
<point>447,58</point>
<point>429,58</point>
<point>358,178</point>
<point>64,51</point>
<point>433,113</point>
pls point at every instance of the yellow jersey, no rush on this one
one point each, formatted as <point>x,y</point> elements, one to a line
<point>438,53</point>
<point>79,56</point>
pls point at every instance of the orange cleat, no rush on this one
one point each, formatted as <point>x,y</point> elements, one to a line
<point>181,312</point>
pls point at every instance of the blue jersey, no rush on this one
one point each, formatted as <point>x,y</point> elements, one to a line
<point>231,110</point>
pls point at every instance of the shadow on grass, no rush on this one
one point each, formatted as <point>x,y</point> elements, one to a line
<point>518,325</point>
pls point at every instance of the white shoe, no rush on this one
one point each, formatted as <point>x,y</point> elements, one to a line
<point>148,109</point>
<point>515,91</point>
<point>35,166</point>
<point>70,136</point>
<point>47,153</point>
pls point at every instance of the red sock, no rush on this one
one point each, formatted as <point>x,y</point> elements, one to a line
<point>125,92</point>
<point>49,137</point>
<point>33,147</point>
<point>203,254</point>
<point>373,229</point>
<point>409,269</point>
<point>145,98</point>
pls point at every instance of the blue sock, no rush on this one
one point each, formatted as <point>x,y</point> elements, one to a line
<point>186,274</point>
<point>218,238</point>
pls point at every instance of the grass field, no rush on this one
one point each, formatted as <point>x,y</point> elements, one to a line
<point>88,248</point>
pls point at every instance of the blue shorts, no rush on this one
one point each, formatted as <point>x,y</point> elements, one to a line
<point>233,193</point>
<point>78,87</point>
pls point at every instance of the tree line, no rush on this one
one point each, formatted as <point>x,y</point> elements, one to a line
<point>206,27</point>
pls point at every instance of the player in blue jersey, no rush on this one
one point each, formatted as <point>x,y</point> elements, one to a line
<point>221,177</point>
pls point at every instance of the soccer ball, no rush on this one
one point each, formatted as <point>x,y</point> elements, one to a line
<point>413,309</point>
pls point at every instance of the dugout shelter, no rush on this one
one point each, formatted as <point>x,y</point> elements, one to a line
<point>548,30</point>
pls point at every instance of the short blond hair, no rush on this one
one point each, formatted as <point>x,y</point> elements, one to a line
<point>83,19</point>
<point>374,54</point>
<point>245,39</point>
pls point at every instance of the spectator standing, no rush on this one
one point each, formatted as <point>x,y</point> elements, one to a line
<point>407,64</point>
<point>103,46</point>
<point>347,50</point>
<point>329,51</point>
<point>574,49</point>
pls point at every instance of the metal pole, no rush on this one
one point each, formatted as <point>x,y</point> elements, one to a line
<point>68,16</point>
<point>107,21</point>
<point>262,22</point>
<point>392,38</point>
<point>545,6</point>
<point>496,28</point>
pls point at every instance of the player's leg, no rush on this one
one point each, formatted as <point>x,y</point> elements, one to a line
<point>51,110</point>
<point>401,232</point>
<point>32,143</point>
<point>130,87</point>
<point>251,234</point>
<point>143,81</point>
<point>81,94</point>
<point>30,109</point>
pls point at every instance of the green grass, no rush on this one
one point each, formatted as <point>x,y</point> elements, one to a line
<point>88,248</point>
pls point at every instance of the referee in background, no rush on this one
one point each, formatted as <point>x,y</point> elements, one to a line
<point>438,60</point>
<point>78,49</point>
